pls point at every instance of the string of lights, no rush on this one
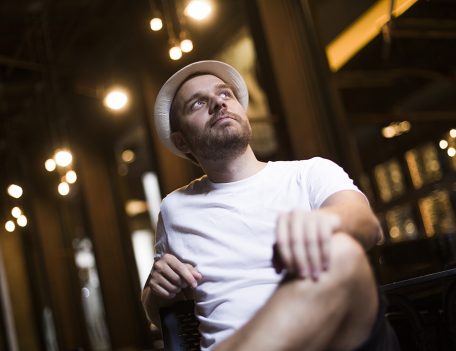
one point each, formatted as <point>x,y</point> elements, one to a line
<point>181,43</point>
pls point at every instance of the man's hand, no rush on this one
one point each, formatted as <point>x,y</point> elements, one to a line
<point>302,241</point>
<point>169,276</point>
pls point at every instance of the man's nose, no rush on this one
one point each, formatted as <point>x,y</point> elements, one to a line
<point>216,104</point>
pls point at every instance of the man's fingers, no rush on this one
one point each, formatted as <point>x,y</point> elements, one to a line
<point>282,240</point>
<point>312,248</point>
<point>197,275</point>
<point>160,291</point>
<point>184,273</point>
<point>297,247</point>
<point>164,269</point>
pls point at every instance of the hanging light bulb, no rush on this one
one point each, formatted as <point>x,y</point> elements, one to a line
<point>71,177</point>
<point>156,24</point>
<point>16,212</point>
<point>175,53</point>
<point>10,226</point>
<point>14,191</point>
<point>186,45</point>
<point>63,158</point>
<point>116,99</point>
<point>50,165</point>
<point>198,9</point>
<point>22,221</point>
<point>63,189</point>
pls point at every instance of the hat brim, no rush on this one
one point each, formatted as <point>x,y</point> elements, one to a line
<point>168,91</point>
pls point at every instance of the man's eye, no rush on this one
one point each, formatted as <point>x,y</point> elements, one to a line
<point>197,104</point>
<point>226,94</point>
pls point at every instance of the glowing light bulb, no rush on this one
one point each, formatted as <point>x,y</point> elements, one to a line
<point>71,176</point>
<point>50,165</point>
<point>63,188</point>
<point>128,156</point>
<point>156,24</point>
<point>16,212</point>
<point>10,226</point>
<point>22,221</point>
<point>15,191</point>
<point>198,9</point>
<point>451,151</point>
<point>443,144</point>
<point>175,53</point>
<point>63,158</point>
<point>116,100</point>
<point>453,133</point>
<point>186,45</point>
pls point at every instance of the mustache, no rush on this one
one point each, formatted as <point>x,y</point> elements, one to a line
<point>223,114</point>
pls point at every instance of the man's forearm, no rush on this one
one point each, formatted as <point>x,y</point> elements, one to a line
<point>360,222</point>
<point>357,218</point>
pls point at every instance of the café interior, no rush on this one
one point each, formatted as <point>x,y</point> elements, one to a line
<point>369,84</point>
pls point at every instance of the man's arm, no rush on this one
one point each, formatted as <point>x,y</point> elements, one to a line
<point>303,237</point>
<point>356,216</point>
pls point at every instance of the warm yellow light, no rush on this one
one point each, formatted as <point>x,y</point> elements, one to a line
<point>128,156</point>
<point>116,100</point>
<point>175,53</point>
<point>453,133</point>
<point>361,31</point>
<point>389,132</point>
<point>22,221</point>
<point>451,151</point>
<point>16,212</point>
<point>198,9</point>
<point>71,177</point>
<point>50,165</point>
<point>186,45</point>
<point>15,191</point>
<point>443,144</point>
<point>404,126</point>
<point>63,188</point>
<point>135,207</point>
<point>63,158</point>
<point>156,24</point>
<point>9,226</point>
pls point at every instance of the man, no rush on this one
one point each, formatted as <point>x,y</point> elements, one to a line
<point>272,252</point>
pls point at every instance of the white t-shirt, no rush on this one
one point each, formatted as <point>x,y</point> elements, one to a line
<point>227,230</point>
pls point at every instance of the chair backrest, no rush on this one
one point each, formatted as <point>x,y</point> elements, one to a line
<point>180,327</point>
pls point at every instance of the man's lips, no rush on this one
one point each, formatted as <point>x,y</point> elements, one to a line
<point>221,118</point>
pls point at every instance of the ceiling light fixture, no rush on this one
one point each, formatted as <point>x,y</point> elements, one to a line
<point>198,9</point>
<point>156,24</point>
<point>15,191</point>
<point>116,99</point>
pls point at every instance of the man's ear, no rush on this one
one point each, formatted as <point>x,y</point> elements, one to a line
<point>180,142</point>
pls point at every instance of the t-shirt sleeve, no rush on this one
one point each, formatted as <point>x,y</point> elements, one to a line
<point>161,239</point>
<point>323,179</point>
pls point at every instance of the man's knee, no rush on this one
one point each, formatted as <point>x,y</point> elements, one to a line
<point>349,263</point>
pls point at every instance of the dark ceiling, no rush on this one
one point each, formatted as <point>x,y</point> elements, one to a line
<point>57,56</point>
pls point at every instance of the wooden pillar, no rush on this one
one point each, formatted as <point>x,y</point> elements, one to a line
<point>114,268</point>
<point>57,258</point>
<point>24,333</point>
<point>314,120</point>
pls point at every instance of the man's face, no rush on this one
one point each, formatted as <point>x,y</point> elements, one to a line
<point>213,125</point>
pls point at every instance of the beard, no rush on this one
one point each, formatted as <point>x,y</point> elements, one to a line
<point>219,141</point>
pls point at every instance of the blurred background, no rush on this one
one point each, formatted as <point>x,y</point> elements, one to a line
<point>370,84</point>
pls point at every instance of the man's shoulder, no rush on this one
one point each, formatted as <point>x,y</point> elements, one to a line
<point>195,186</point>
